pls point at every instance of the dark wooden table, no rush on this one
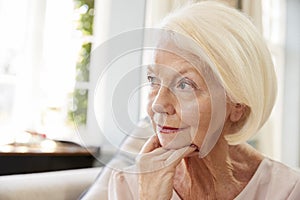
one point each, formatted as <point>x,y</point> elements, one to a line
<point>29,158</point>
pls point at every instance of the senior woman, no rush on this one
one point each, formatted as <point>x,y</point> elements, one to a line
<point>212,87</point>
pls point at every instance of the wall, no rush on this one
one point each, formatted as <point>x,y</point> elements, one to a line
<point>108,70</point>
<point>291,118</point>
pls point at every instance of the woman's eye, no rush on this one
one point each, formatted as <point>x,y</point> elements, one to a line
<point>153,80</point>
<point>183,86</point>
<point>186,85</point>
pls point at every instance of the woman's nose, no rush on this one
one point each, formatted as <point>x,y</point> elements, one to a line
<point>164,102</point>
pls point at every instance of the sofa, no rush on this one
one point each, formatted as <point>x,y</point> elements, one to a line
<point>72,184</point>
<point>56,185</point>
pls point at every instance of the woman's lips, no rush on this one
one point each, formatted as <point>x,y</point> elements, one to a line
<point>168,129</point>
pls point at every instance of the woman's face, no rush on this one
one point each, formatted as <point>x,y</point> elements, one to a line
<point>179,101</point>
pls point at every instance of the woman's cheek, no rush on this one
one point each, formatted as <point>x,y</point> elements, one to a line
<point>190,112</point>
<point>151,97</point>
<point>149,108</point>
<point>193,108</point>
<point>197,115</point>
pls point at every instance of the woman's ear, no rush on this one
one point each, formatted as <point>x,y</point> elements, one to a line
<point>237,111</point>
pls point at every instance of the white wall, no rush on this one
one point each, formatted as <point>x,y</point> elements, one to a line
<point>291,117</point>
<point>114,17</point>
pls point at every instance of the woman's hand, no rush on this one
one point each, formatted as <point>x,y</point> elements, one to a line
<point>157,168</point>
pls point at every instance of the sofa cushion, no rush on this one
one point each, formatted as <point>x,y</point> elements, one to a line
<point>64,185</point>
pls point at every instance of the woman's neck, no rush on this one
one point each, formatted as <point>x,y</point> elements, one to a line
<point>222,174</point>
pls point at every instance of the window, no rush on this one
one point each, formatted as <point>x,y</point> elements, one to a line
<point>44,63</point>
<point>49,65</point>
<point>13,53</point>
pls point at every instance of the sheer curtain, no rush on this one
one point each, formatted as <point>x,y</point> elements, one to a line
<point>21,38</point>
<point>38,53</point>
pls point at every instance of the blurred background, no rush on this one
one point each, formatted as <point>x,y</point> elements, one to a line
<point>47,79</point>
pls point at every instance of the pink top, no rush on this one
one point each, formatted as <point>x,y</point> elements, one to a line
<point>272,180</point>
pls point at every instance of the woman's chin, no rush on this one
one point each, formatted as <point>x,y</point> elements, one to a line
<point>173,143</point>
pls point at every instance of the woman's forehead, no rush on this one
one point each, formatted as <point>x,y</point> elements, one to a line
<point>173,68</point>
<point>170,56</point>
<point>164,60</point>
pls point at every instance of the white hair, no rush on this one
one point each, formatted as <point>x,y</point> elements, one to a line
<point>243,62</point>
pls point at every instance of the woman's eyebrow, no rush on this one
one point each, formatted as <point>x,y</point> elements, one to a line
<point>186,70</point>
<point>150,69</point>
<point>186,66</point>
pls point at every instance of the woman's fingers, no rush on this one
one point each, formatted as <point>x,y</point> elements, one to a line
<point>160,158</point>
<point>151,144</point>
<point>178,155</point>
<point>153,157</point>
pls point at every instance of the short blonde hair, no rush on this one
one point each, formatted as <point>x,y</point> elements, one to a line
<point>240,54</point>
